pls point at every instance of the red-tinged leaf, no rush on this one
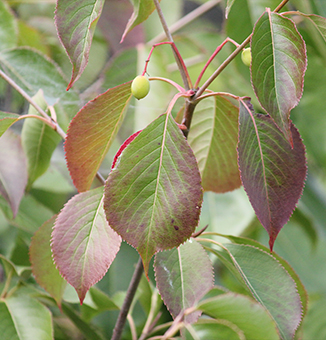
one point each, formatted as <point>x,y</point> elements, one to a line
<point>153,195</point>
<point>278,65</point>
<point>272,172</point>
<point>142,10</point>
<point>44,269</point>
<point>270,284</point>
<point>123,146</point>
<point>213,137</point>
<point>318,21</point>
<point>76,22</point>
<point>6,120</point>
<point>183,276</point>
<point>83,244</point>
<point>92,132</point>
<point>13,170</point>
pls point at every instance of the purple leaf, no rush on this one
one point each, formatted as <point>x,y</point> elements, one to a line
<point>278,65</point>
<point>13,170</point>
<point>183,276</point>
<point>83,244</point>
<point>153,195</point>
<point>76,21</point>
<point>272,173</point>
<point>91,133</point>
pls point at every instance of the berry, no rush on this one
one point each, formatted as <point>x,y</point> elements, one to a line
<point>140,87</point>
<point>246,56</point>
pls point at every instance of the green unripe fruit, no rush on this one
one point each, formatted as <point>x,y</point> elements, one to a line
<point>246,56</point>
<point>140,87</point>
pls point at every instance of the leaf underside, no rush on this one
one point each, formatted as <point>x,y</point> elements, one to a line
<point>213,137</point>
<point>183,276</point>
<point>153,195</point>
<point>83,244</point>
<point>278,66</point>
<point>272,173</point>
<point>76,22</point>
<point>142,10</point>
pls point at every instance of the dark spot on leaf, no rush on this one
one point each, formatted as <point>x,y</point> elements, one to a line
<point>158,143</point>
<point>176,227</point>
<point>172,221</point>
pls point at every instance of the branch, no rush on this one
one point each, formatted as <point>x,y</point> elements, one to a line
<point>127,301</point>
<point>183,71</point>
<point>186,20</point>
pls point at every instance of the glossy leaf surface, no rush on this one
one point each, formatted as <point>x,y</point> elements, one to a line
<point>13,170</point>
<point>270,285</point>
<point>44,269</point>
<point>153,195</point>
<point>278,66</point>
<point>272,173</point>
<point>213,137</point>
<point>249,317</point>
<point>92,132</point>
<point>142,10</point>
<point>39,141</point>
<point>83,244</point>
<point>183,277</point>
<point>76,22</point>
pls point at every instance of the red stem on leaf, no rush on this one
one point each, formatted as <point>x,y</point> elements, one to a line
<point>218,49</point>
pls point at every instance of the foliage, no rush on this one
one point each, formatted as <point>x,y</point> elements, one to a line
<point>181,181</point>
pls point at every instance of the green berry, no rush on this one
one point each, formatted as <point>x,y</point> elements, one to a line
<point>246,56</point>
<point>140,87</point>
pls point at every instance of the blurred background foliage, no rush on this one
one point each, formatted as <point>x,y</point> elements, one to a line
<point>302,242</point>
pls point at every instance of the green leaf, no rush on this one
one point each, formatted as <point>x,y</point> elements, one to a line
<point>247,315</point>
<point>92,132</point>
<point>87,329</point>
<point>211,328</point>
<point>153,195</point>
<point>142,10</point>
<point>13,170</point>
<point>300,287</point>
<point>24,318</point>
<point>183,277</point>
<point>8,27</point>
<point>39,141</point>
<point>228,7</point>
<point>83,244</point>
<point>270,284</point>
<point>44,270</point>
<point>272,172</point>
<point>31,214</point>
<point>33,71</point>
<point>318,21</point>
<point>213,137</point>
<point>76,22</point>
<point>6,120</point>
<point>278,65</point>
